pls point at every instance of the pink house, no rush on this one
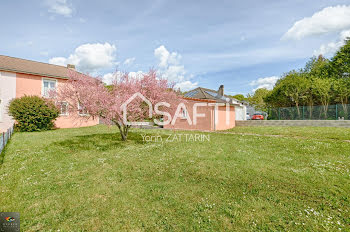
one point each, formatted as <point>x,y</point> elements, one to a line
<point>19,77</point>
<point>206,123</point>
<point>221,117</point>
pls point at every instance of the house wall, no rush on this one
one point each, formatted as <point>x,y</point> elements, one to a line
<point>7,93</point>
<point>203,123</point>
<point>223,114</point>
<point>27,84</point>
<point>241,112</point>
<point>206,123</point>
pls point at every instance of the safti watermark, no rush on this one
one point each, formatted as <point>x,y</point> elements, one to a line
<point>181,112</point>
<point>169,138</point>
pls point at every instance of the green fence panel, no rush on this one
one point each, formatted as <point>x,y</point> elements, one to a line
<point>330,112</point>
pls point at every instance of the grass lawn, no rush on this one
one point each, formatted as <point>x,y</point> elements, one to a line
<point>88,180</point>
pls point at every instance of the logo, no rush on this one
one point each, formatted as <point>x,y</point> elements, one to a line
<point>124,109</point>
<point>181,111</point>
<point>10,219</point>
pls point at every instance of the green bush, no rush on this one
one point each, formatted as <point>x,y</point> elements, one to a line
<point>33,113</point>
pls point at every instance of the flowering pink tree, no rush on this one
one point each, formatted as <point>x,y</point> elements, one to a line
<point>93,97</point>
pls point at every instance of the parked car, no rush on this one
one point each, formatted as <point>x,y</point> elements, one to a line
<point>258,117</point>
<point>247,117</point>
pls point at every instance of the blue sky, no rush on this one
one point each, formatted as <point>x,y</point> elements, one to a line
<point>241,44</point>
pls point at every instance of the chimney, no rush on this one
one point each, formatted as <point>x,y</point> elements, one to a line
<point>221,90</point>
<point>71,66</point>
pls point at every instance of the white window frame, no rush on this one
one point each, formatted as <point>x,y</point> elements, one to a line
<point>84,114</point>
<point>67,110</point>
<point>43,88</point>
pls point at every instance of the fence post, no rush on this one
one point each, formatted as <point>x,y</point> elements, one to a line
<point>336,111</point>
<point>279,113</point>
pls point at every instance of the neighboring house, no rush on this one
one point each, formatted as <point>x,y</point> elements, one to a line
<point>210,96</point>
<point>219,96</point>
<point>19,77</point>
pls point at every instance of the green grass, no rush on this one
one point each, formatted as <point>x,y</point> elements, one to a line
<point>88,180</point>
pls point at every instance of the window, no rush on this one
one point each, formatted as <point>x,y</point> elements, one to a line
<point>48,85</point>
<point>81,110</point>
<point>63,106</point>
<point>191,93</point>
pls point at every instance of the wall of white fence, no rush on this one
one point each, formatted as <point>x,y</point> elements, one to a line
<point>5,137</point>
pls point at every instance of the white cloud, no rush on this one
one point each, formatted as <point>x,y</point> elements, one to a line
<point>58,61</point>
<point>332,47</point>
<point>109,78</point>
<point>171,69</point>
<point>89,57</point>
<point>174,73</point>
<point>329,19</point>
<point>166,58</point>
<point>137,75</point>
<point>264,82</point>
<point>129,61</point>
<point>60,7</point>
<point>186,85</point>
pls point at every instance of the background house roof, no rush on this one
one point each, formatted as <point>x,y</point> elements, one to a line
<point>204,93</point>
<point>18,65</point>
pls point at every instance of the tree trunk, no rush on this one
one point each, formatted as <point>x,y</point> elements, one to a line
<point>298,110</point>
<point>124,130</point>
<point>345,108</point>
<point>310,111</point>
<point>325,107</point>
<point>344,103</point>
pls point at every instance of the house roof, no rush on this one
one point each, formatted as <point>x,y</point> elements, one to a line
<point>198,99</point>
<point>204,93</point>
<point>18,65</point>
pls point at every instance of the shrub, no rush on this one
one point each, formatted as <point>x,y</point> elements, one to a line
<point>33,113</point>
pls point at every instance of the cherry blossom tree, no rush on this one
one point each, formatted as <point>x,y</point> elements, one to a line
<point>94,99</point>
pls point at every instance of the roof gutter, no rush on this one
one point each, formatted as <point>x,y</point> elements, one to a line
<point>31,73</point>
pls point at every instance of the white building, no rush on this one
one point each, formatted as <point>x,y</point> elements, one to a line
<point>7,93</point>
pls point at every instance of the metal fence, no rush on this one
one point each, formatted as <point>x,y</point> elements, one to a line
<point>4,138</point>
<point>331,112</point>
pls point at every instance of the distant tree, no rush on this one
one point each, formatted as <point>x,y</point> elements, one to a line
<point>316,83</point>
<point>340,63</point>
<point>319,67</point>
<point>239,97</point>
<point>296,88</point>
<point>342,92</point>
<point>310,97</point>
<point>257,99</point>
<point>322,89</point>
<point>276,98</point>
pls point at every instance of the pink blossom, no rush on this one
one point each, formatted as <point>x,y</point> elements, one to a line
<point>106,102</point>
